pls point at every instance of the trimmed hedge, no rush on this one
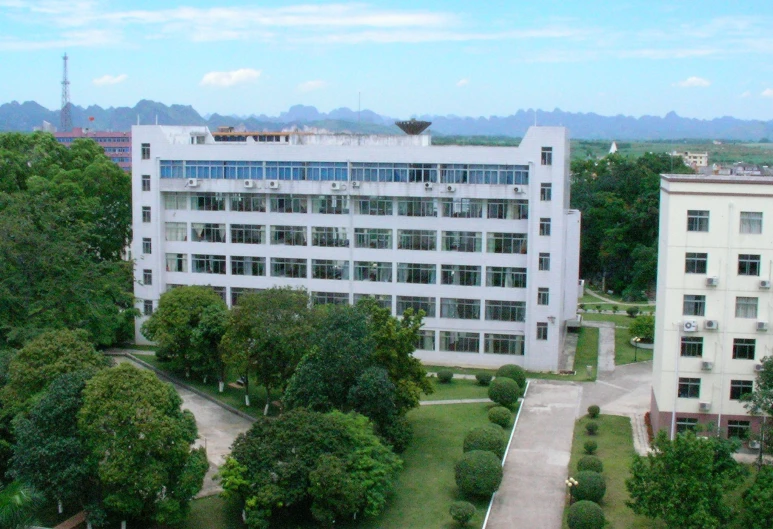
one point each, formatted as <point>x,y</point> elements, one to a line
<point>590,447</point>
<point>585,515</point>
<point>484,379</point>
<point>513,372</point>
<point>462,512</point>
<point>592,428</point>
<point>504,391</point>
<point>593,411</point>
<point>590,486</point>
<point>489,438</point>
<point>444,376</point>
<point>501,416</point>
<point>478,473</point>
<point>591,463</point>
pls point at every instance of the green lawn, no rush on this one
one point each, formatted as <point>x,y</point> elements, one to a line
<point>459,370</point>
<point>621,320</point>
<point>214,512</point>
<point>625,352</point>
<point>587,355</point>
<point>458,388</point>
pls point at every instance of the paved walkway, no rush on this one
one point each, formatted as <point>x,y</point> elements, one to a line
<point>532,493</point>
<point>616,302</point>
<point>606,345</point>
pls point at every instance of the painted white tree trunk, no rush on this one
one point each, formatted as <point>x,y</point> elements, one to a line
<point>221,386</point>
<point>246,400</point>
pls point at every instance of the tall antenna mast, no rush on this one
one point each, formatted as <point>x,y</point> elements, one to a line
<point>66,117</point>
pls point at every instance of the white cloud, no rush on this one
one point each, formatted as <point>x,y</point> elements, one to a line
<point>746,94</point>
<point>692,82</point>
<point>463,82</point>
<point>110,79</point>
<point>768,92</point>
<point>310,86</point>
<point>225,79</point>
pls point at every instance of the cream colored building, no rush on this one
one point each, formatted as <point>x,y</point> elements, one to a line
<point>714,299</point>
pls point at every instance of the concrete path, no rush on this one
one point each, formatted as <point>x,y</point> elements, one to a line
<point>614,301</point>
<point>532,494</point>
<point>606,345</point>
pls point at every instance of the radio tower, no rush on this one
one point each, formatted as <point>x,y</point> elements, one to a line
<point>66,118</point>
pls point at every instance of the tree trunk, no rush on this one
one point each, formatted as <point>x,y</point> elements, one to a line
<point>246,389</point>
<point>268,401</point>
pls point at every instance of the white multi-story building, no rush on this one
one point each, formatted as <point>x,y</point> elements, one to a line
<point>714,300</point>
<point>480,238</point>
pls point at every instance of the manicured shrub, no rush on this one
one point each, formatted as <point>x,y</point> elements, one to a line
<point>504,391</point>
<point>590,486</point>
<point>590,447</point>
<point>462,512</point>
<point>614,309</point>
<point>593,411</point>
<point>490,438</point>
<point>444,376</point>
<point>598,308</point>
<point>591,463</point>
<point>484,379</point>
<point>592,428</point>
<point>397,432</point>
<point>514,372</point>
<point>501,416</point>
<point>585,515</point>
<point>478,473</point>
<point>632,311</point>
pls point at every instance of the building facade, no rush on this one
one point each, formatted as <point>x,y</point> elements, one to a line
<point>714,300</point>
<point>117,145</point>
<point>480,238</point>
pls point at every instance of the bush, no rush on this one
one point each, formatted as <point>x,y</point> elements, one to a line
<point>462,512</point>
<point>614,309</point>
<point>598,308</point>
<point>591,463</point>
<point>397,432</point>
<point>488,438</point>
<point>585,515</point>
<point>643,327</point>
<point>632,311</point>
<point>590,486</point>
<point>504,391</point>
<point>593,411</point>
<point>582,306</point>
<point>478,473</point>
<point>484,379</point>
<point>501,416</point>
<point>444,376</point>
<point>590,447</point>
<point>513,372</point>
<point>592,428</point>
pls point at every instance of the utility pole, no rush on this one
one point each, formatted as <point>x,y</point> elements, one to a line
<point>66,117</point>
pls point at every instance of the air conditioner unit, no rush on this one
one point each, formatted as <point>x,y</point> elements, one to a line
<point>707,366</point>
<point>249,184</point>
<point>712,281</point>
<point>450,188</point>
<point>427,185</point>
<point>764,283</point>
<point>273,184</point>
<point>754,445</point>
<point>762,326</point>
<point>758,367</point>
<point>704,406</point>
<point>711,325</point>
<point>355,185</point>
<point>690,326</point>
<point>193,182</point>
<point>335,186</point>
<point>517,190</point>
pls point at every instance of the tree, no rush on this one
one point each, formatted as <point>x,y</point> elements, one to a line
<point>683,481</point>
<point>18,505</point>
<point>757,501</point>
<point>643,327</point>
<point>139,443</point>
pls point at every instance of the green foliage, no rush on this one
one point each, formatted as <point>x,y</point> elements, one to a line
<point>501,416</point>
<point>462,512</point>
<point>18,505</point>
<point>590,486</point>
<point>643,327</point>
<point>478,473</point>
<point>757,501</point>
<point>592,428</point>
<point>514,372</point>
<point>632,311</point>
<point>445,376</point>
<point>585,514</point>
<point>591,463</point>
<point>504,391</point>
<point>373,395</point>
<point>593,411</point>
<point>484,379</point>
<point>683,482</point>
<point>590,447</point>
<point>397,433</point>
<point>488,438</point>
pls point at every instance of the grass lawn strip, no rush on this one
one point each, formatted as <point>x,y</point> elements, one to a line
<point>458,388</point>
<point>625,352</point>
<point>587,354</point>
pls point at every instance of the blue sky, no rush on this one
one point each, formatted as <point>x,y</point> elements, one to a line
<point>701,59</point>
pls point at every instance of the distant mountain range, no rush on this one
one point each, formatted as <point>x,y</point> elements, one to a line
<point>16,116</point>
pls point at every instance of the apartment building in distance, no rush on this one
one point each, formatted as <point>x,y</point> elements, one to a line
<point>480,238</point>
<point>117,145</point>
<point>714,300</point>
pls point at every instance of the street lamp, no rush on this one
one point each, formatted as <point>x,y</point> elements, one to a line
<point>636,341</point>
<point>571,482</point>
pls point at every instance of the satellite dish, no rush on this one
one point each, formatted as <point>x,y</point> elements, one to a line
<point>413,127</point>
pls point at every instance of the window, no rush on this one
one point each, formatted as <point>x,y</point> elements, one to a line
<point>460,309</point>
<point>504,344</point>
<point>748,265</point>
<point>738,429</point>
<point>146,182</point>
<point>175,200</point>
<point>375,206</point>
<point>546,192</point>
<point>330,205</point>
<point>542,330</point>
<point>220,291</point>
<point>248,266</point>
<point>146,246</point>
<point>751,222</point>
<point>416,240</point>
<point>147,277</point>
<point>739,388</point>
<point>176,262</point>
<point>416,304</point>
<point>689,388</point>
<point>460,342</point>
<point>506,243</point>
<point>422,172</point>
<point>209,264</point>
<point>145,213</point>
<point>505,310</point>
<point>460,275</point>
<point>208,202</point>
<point>544,226</point>
<point>745,307</point>
<point>426,340</point>
<point>238,292</point>
<point>207,232</point>
<point>329,269</point>
<point>508,209</point>
<point>145,150</point>
<point>373,271</point>
<point>329,237</point>
<point>246,202</point>
<point>697,220</point>
<point>247,233</point>
<point>383,300</point>
<point>547,156</point>
<point>684,424</point>
<point>694,305</point>
<point>544,261</point>
<point>288,204</point>
<point>692,346</point>
<point>147,307</point>
<point>417,207</point>
<point>176,231</point>
<point>329,298</point>
<point>416,273</point>
<point>695,263</point>
<point>284,267</point>
<point>288,235</point>
<point>462,241</point>
<point>743,348</point>
<point>467,208</point>
<point>505,276</point>
<point>373,238</point>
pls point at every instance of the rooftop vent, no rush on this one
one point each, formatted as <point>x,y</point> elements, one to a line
<point>413,127</point>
